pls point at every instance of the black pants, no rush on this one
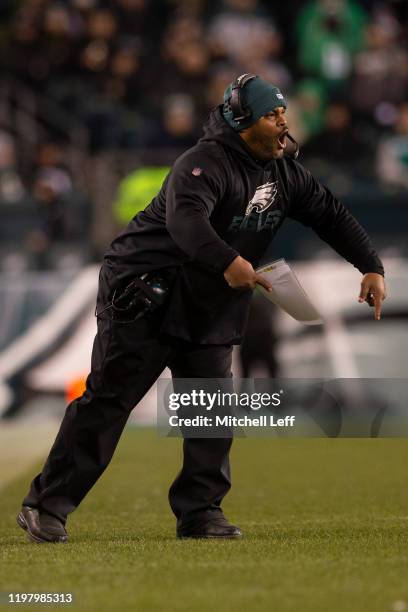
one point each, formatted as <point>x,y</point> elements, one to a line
<point>126,361</point>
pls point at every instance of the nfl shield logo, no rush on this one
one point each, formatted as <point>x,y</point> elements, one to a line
<point>196,171</point>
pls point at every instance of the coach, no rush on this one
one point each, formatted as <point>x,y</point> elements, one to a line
<point>195,247</point>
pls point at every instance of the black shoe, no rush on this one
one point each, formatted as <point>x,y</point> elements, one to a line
<point>40,526</point>
<point>214,528</point>
<point>29,520</point>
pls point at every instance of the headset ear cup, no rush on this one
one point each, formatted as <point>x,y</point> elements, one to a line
<point>235,103</point>
<point>239,113</point>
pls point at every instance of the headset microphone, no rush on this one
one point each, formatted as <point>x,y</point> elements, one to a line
<point>295,153</point>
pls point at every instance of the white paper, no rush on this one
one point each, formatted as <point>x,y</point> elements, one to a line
<point>288,293</point>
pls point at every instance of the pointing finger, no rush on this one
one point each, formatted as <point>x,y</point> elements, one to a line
<point>378,305</point>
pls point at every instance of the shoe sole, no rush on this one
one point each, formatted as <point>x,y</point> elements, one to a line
<point>23,524</point>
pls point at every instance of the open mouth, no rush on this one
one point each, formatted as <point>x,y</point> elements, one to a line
<point>282,140</point>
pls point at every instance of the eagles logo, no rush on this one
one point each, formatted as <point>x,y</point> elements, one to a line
<point>264,196</point>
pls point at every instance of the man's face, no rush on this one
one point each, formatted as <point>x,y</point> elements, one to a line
<point>267,135</point>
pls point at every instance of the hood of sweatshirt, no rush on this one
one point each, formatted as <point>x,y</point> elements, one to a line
<point>216,129</point>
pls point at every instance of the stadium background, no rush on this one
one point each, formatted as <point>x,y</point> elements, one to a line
<point>96,101</point>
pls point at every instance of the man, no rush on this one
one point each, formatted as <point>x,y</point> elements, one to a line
<point>199,240</point>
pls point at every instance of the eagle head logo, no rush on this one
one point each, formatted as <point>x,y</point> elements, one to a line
<point>264,196</point>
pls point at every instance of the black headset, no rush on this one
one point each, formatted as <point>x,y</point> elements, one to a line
<point>239,113</point>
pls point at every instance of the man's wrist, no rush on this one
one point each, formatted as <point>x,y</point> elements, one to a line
<point>380,273</point>
<point>228,261</point>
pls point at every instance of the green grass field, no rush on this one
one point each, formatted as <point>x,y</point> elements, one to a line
<point>325,525</point>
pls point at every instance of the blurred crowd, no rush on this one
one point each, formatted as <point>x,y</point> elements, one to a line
<point>143,74</point>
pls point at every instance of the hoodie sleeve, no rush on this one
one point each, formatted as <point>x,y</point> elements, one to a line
<point>316,207</point>
<point>196,185</point>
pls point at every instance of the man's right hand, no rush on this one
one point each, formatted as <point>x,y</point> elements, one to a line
<point>241,275</point>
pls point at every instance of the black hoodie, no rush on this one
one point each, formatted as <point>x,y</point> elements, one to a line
<point>218,202</point>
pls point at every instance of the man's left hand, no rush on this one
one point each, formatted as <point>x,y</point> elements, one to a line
<point>373,292</point>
